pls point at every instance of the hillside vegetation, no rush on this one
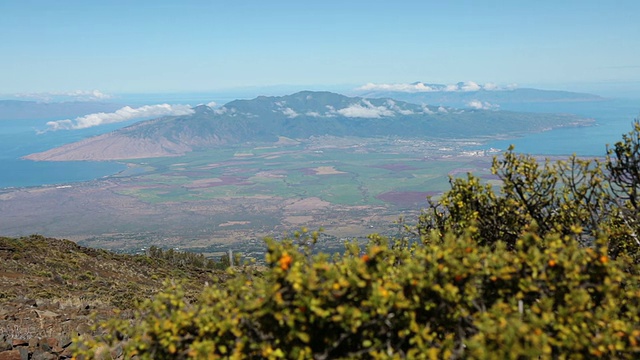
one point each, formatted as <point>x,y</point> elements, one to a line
<point>37,267</point>
<point>56,289</point>
<point>544,266</point>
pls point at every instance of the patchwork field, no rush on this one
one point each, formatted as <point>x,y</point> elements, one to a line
<point>352,176</point>
<point>212,201</point>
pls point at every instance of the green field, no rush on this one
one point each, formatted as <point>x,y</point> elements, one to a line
<point>344,176</point>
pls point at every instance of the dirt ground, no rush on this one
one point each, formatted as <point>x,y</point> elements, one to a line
<point>97,214</point>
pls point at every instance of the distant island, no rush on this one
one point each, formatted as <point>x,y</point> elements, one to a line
<point>469,93</point>
<point>301,116</point>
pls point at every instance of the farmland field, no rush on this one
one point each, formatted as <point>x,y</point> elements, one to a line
<point>230,198</point>
<point>354,175</point>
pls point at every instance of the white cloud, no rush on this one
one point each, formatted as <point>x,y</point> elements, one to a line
<point>442,109</point>
<point>491,86</point>
<point>75,95</point>
<point>393,106</point>
<point>211,104</point>
<point>469,86</point>
<point>124,114</point>
<point>220,111</point>
<point>418,87</point>
<point>479,105</point>
<point>476,104</point>
<point>289,112</point>
<point>365,109</point>
<point>331,111</point>
<point>450,88</point>
<point>423,87</point>
<point>426,110</point>
<point>313,114</point>
<point>466,86</point>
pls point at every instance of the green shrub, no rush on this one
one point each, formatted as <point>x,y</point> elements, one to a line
<point>453,298</point>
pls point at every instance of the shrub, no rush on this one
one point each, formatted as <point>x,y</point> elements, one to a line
<point>452,298</point>
<point>600,199</point>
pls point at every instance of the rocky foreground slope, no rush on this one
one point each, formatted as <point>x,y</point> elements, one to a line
<point>52,290</point>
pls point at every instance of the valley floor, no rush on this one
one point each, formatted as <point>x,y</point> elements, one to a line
<point>214,201</point>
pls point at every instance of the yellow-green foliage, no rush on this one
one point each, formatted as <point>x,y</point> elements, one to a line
<point>446,298</point>
<point>602,200</point>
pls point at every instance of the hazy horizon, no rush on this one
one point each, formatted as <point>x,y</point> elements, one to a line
<point>124,47</point>
<point>630,91</point>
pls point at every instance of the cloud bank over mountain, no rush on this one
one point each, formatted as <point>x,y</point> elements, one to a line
<point>466,86</point>
<point>57,96</point>
<point>365,109</point>
<point>124,114</point>
<point>299,116</point>
<point>482,105</point>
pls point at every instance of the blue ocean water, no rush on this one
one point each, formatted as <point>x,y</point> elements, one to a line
<point>20,137</point>
<point>23,137</point>
<point>613,118</point>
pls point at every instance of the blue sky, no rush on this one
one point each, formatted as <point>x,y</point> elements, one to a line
<point>179,46</point>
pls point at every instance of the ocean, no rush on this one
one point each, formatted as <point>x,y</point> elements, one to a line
<point>20,137</point>
<point>613,118</point>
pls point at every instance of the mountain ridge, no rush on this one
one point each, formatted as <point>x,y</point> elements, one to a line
<point>53,289</point>
<point>299,116</point>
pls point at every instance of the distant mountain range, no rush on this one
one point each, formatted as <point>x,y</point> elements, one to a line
<point>299,116</point>
<point>465,94</point>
